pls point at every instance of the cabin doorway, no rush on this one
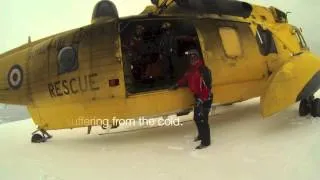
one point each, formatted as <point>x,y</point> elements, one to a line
<point>154,52</point>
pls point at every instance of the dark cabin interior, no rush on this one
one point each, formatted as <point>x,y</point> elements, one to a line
<point>145,66</point>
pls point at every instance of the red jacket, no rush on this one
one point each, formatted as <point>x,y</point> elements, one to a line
<point>195,82</point>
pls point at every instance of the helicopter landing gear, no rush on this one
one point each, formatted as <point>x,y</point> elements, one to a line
<point>315,108</point>
<point>311,106</point>
<point>228,104</point>
<point>39,138</point>
<point>115,125</point>
<point>305,107</point>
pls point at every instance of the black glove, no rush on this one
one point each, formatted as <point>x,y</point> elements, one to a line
<point>174,87</point>
<point>199,102</point>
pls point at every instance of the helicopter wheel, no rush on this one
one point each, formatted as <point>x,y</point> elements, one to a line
<point>38,138</point>
<point>304,107</point>
<point>315,108</point>
<point>116,125</point>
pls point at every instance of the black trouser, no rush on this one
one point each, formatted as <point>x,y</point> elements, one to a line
<point>168,66</point>
<point>201,113</point>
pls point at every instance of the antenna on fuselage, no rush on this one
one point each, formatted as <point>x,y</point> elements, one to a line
<point>29,39</point>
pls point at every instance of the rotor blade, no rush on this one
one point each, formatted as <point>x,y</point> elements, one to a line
<point>228,7</point>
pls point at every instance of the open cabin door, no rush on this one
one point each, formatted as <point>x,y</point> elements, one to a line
<point>107,67</point>
<point>106,61</point>
<point>231,52</point>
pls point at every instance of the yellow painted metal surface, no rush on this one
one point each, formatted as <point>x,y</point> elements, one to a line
<point>228,45</point>
<point>7,94</point>
<point>230,42</point>
<point>284,86</point>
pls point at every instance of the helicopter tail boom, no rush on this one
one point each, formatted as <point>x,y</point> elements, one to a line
<point>13,82</point>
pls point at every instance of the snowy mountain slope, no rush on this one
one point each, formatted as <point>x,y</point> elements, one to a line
<point>10,113</point>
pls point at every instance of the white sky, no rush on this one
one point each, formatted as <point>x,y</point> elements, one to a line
<point>41,18</point>
<point>21,18</point>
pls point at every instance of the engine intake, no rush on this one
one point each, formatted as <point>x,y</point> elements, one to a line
<point>104,10</point>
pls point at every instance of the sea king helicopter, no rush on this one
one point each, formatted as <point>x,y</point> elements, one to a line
<point>87,72</point>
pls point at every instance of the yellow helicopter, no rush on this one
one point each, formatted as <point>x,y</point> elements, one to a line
<point>89,72</point>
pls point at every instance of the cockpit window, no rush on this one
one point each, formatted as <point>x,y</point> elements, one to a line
<point>301,40</point>
<point>265,41</point>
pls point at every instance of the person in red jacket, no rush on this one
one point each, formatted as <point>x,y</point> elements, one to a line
<point>203,96</point>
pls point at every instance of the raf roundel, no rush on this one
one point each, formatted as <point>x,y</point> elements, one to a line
<point>15,77</point>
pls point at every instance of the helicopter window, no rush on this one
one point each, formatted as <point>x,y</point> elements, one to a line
<point>301,40</point>
<point>67,60</point>
<point>265,41</point>
<point>230,41</point>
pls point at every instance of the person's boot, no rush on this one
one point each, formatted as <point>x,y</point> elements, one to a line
<point>197,138</point>
<point>202,146</point>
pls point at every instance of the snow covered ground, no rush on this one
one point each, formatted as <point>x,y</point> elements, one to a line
<point>244,147</point>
